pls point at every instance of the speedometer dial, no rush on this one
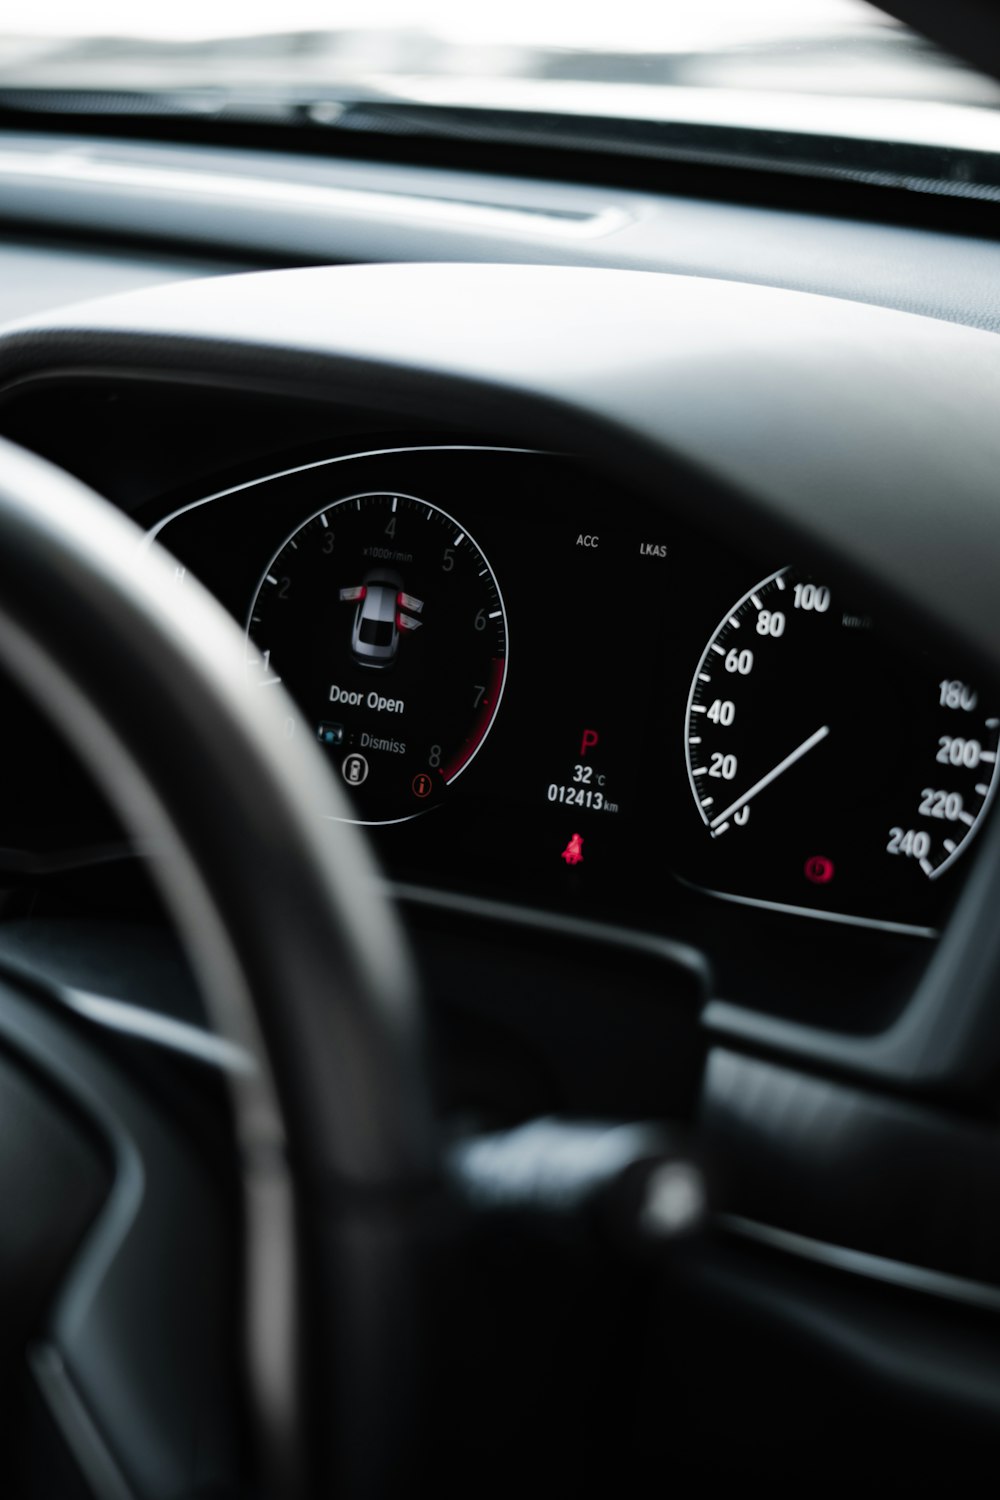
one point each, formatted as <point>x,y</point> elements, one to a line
<point>385,621</point>
<point>824,765</point>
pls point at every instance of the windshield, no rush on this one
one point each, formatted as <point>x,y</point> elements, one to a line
<point>836,66</point>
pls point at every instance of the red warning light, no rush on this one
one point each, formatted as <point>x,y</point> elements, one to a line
<point>573,852</point>
<point>422,784</point>
<point>819,869</point>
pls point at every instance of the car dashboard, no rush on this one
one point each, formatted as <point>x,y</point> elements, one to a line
<point>647,628</point>
<point>591,707</point>
<point>565,666</point>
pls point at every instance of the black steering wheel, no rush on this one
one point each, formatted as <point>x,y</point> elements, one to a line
<point>299,957</point>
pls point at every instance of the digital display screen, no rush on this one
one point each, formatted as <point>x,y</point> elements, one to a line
<point>534,686</point>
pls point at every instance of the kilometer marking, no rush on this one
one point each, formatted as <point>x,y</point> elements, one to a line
<point>967,817</point>
<point>695,739</point>
<point>707,801</point>
<point>756,602</point>
<point>495,615</point>
<point>704,677</point>
<point>395,502</point>
<point>734,622</point>
<point>927,867</point>
<point>950,845</point>
<point>458,540</point>
<point>988,755</point>
<point>323,519</point>
<point>271,578</point>
<point>780,581</point>
<point>700,771</point>
<point>982,788</point>
<point>698,708</point>
<point>721,829</point>
<point>718,648</point>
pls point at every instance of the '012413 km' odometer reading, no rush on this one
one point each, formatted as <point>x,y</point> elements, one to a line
<point>830,769</point>
<point>585,790</point>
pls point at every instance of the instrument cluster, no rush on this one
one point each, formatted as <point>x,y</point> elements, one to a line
<point>534,685</point>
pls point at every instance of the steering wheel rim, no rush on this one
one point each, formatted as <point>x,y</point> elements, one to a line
<point>277,910</point>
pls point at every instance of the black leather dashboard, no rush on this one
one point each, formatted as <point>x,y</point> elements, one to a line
<point>188,208</point>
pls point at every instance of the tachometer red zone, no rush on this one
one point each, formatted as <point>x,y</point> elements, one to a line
<point>481,728</point>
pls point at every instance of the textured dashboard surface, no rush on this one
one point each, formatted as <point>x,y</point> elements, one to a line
<point>279,208</point>
<point>35,278</point>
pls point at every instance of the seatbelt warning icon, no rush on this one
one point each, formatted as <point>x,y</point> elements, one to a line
<point>573,852</point>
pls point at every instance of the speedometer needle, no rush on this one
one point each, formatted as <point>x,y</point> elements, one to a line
<point>764,781</point>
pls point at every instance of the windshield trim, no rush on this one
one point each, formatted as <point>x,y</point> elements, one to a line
<point>956,127</point>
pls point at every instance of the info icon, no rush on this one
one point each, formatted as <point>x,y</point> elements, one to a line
<point>355,769</point>
<point>422,784</point>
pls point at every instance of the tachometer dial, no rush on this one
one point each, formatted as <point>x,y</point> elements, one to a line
<point>825,765</point>
<point>385,622</point>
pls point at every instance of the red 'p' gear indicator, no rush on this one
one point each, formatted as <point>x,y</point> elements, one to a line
<point>588,740</point>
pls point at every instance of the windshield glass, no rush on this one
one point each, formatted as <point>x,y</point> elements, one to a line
<point>839,66</point>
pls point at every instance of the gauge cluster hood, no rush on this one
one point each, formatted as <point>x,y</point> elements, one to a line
<point>868,432</point>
